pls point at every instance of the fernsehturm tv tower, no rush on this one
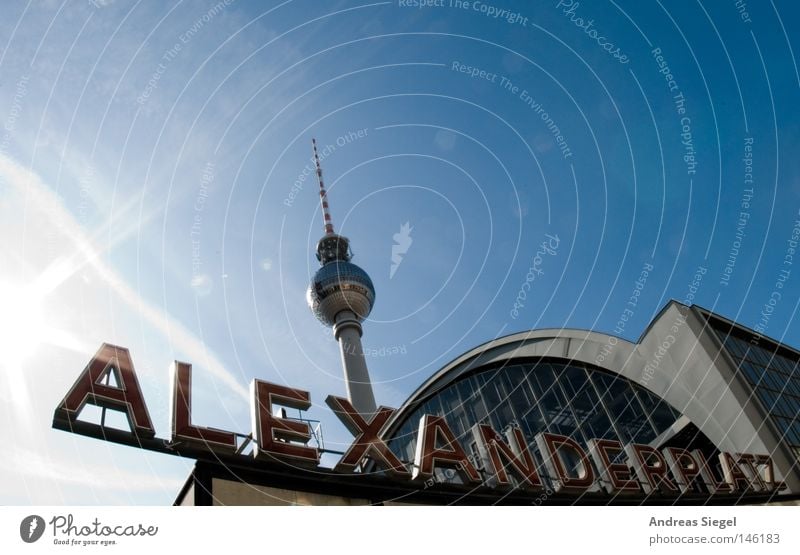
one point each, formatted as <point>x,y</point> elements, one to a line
<point>341,295</point>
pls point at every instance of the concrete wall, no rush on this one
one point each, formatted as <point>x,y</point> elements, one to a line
<point>227,492</point>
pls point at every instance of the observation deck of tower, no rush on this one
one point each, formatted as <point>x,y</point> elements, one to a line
<point>341,296</point>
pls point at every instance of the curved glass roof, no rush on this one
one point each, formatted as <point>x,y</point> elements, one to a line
<point>549,395</point>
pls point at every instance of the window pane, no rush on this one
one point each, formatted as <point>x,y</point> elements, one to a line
<point>566,399</point>
<point>766,398</point>
<point>733,346</point>
<point>751,372</point>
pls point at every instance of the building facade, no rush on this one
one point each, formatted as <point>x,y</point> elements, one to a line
<point>696,388</point>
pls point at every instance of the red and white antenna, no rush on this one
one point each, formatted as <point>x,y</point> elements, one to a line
<point>323,196</point>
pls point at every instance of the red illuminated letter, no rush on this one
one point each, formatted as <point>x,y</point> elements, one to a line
<point>650,467</point>
<point>433,431</point>
<point>366,442</point>
<point>615,477</point>
<point>712,484</point>
<point>551,445</point>
<point>498,455</point>
<point>273,434</point>
<point>732,473</point>
<point>181,411</point>
<point>127,397</point>
<point>769,473</point>
<point>684,467</point>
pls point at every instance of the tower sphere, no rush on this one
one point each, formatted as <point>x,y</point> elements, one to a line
<point>337,286</point>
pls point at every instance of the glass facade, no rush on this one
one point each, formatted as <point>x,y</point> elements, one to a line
<point>775,380</point>
<point>560,397</point>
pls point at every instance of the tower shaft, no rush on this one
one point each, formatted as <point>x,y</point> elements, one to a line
<point>347,331</point>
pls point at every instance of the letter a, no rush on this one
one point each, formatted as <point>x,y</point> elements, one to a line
<point>126,397</point>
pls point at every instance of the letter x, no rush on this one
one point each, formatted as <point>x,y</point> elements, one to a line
<point>366,442</point>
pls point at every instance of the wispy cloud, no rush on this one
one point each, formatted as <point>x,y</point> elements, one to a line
<point>85,253</point>
<point>30,464</point>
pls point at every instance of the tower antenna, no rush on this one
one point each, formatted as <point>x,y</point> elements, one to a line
<point>323,195</point>
<point>341,295</point>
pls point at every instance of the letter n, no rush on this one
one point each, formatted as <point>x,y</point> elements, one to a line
<point>499,455</point>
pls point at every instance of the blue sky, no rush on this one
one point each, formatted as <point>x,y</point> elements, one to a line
<point>149,194</point>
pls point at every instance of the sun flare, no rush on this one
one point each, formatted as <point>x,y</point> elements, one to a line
<point>22,322</point>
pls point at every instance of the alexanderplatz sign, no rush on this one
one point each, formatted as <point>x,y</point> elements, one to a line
<point>627,473</point>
